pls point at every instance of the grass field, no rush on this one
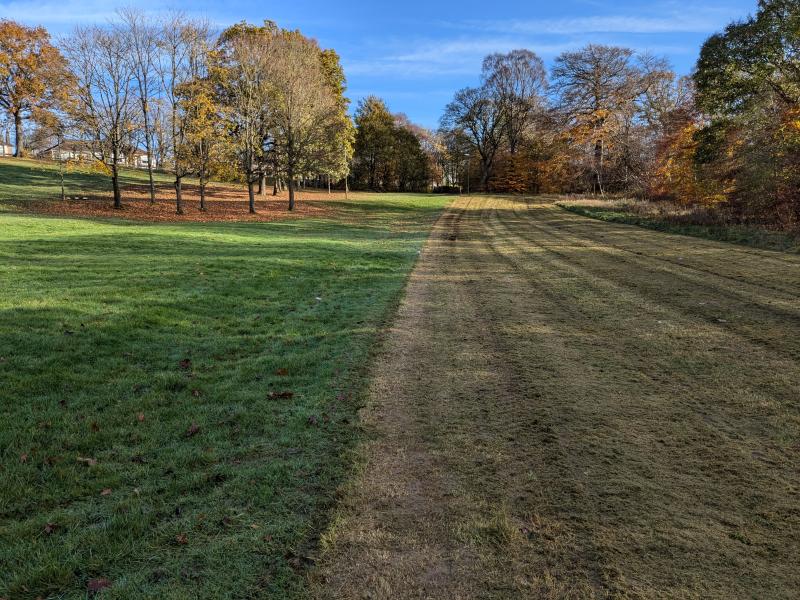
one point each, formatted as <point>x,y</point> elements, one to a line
<point>178,400</point>
<point>27,178</point>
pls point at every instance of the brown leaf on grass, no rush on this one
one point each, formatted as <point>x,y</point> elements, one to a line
<point>284,395</point>
<point>193,429</point>
<point>196,393</point>
<point>89,462</point>
<point>185,364</point>
<point>97,585</point>
<point>182,539</point>
<point>49,528</point>
<point>313,421</point>
<point>23,458</point>
<point>105,492</point>
<point>95,426</point>
<point>140,417</point>
<point>281,372</point>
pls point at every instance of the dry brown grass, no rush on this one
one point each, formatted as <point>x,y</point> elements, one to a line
<point>568,408</point>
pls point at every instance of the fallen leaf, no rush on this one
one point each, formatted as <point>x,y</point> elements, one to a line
<point>185,364</point>
<point>97,585</point>
<point>196,393</point>
<point>88,461</point>
<point>140,417</point>
<point>285,395</point>
<point>105,492</point>
<point>23,458</point>
<point>282,372</point>
<point>95,426</point>
<point>194,429</point>
<point>313,421</point>
<point>182,539</point>
<point>50,528</point>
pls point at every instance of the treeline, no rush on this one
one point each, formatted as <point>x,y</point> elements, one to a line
<point>251,102</point>
<point>608,120</point>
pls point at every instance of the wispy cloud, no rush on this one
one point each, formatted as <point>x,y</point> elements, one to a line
<point>438,58</point>
<point>673,23</point>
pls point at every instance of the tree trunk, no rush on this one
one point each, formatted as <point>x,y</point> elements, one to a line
<point>275,187</point>
<point>61,174</point>
<point>202,191</point>
<point>251,194</point>
<point>262,186</point>
<point>115,183</point>
<point>485,168</point>
<point>346,187</point>
<point>179,195</point>
<point>290,184</point>
<point>148,145</point>
<point>18,142</point>
<point>329,185</point>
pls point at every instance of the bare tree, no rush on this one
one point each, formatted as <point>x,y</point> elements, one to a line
<point>142,40</point>
<point>479,116</point>
<point>183,57</point>
<point>519,81</point>
<point>104,108</point>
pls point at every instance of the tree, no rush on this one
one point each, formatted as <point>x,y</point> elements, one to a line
<point>518,80</point>
<point>104,108</point>
<point>389,153</point>
<point>183,58</point>
<point>34,78</point>
<point>200,147</point>
<point>306,117</point>
<point>242,68</point>
<point>597,89</point>
<point>748,86</point>
<point>374,136</point>
<point>480,117</point>
<point>338,167</point>
<point>142,39</point>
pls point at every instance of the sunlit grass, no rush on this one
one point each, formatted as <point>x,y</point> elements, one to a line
<point>178,401</point>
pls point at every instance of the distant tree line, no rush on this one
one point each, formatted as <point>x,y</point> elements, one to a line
<point>608,120</point>
<point>252,102</point>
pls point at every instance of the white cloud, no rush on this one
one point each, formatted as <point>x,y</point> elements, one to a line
<point>673,23</point>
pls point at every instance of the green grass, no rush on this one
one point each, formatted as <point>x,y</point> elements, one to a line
<point>737,234</point>
<point>22,179</point>
<point>118,339</point>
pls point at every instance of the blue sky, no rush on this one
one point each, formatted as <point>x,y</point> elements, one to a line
<point>415,54</point>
